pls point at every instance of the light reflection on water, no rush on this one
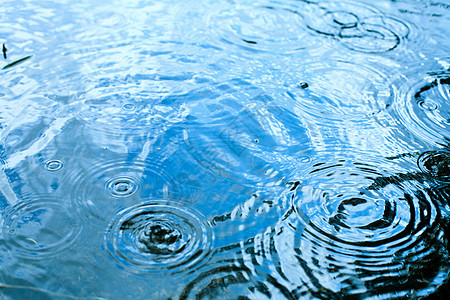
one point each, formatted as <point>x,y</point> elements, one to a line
<point>224,149</point>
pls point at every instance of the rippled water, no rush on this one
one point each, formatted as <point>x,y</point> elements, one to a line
<point>224,149</point>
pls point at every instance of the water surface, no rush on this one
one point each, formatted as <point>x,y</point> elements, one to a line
<point>224,149</point>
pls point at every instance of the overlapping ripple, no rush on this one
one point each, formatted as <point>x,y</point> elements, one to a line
<point>242,111</point>
<point>213,154</point>
<point>269,26</point>
<point>237,282</point>
<point>384,239</point>
<point>341,89</point>
<point>113,116</point>
<point>238,271</point>
<point>159,237</point>
<point>359,26</point>
<point>41,174</point>
<point>40,227</point>
<point>233,145</point>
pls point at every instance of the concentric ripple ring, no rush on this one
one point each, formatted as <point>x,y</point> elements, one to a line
<point>37,229</point>
<point>159,237</point>
<point>436,164</point>
<point>421,105</point>
<point>377,232</point>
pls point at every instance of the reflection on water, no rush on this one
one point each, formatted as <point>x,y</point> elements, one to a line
<point>224,149</point>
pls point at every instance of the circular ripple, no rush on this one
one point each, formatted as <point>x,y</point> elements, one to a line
<point>217,156</point>
<point>232,153</point>
<point>343,90</point>
<point>114,116</point>
<point>129,106</point>
<point>243,129</point>
<point>272,28</point>
<point>241,271</point>
<point>102,187</point>
<point>110,117</point>
<point>159,237</point>
<point>422,106</point>
<point>53,165</point>
<point>122,186</point>
<point>233,282</point>
<point>359,27</point>
<point>40,228</point>
<point>435,163</point>
<point>383,230</point>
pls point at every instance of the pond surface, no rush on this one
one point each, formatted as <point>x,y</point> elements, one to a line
<point>224,149</point>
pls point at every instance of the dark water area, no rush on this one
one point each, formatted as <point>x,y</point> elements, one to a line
<point>221,149</point>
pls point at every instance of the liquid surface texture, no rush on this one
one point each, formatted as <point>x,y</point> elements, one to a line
<point>224,149</point>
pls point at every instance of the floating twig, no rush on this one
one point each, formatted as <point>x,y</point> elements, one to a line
<point>4,51</point>
<point>16,62</point>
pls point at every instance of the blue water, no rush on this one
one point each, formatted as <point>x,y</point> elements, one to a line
<point>224,149</point>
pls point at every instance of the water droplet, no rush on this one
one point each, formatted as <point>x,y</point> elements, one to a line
<point>303,85</point>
